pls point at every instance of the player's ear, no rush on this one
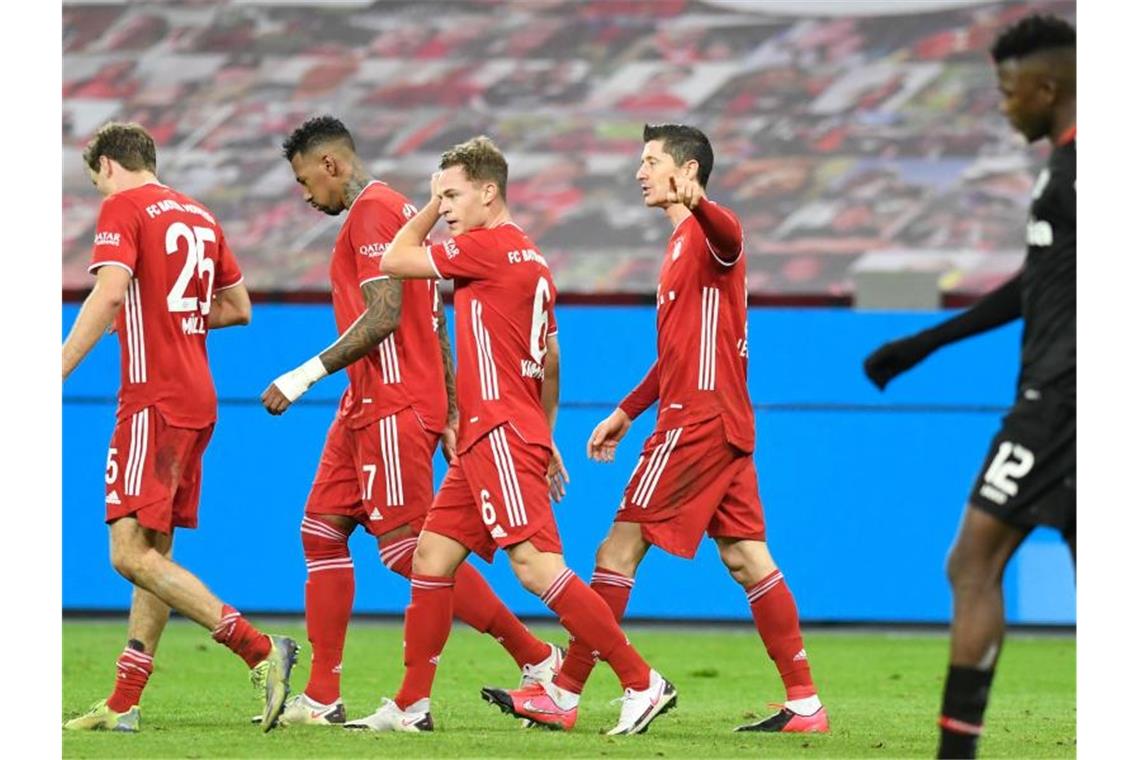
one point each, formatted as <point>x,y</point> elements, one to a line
<point>490,190</point>
<point>691,168</point>
<point>329,164</point>
<point>105,166</point>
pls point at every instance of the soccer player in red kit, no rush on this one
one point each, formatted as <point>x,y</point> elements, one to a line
<point>696,474</point>
<point>376,468</point>
<point>497,493</point>
<point>164,276</point>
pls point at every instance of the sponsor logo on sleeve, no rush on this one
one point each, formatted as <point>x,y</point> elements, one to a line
<point>450,248</point>
<point>372,250</point>
<point>409,211</point>
<point>107,238</point>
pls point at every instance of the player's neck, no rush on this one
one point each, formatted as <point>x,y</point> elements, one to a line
<point>502,216</point>
<point>1064,121</point>
<point>131,180</point>
<point>355,185</point>
<point>677,213</point>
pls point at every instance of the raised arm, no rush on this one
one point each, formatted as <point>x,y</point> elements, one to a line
<point>407,257</point>
<point>999,307</point>
<point>96,314</point>
<point>384,299</point>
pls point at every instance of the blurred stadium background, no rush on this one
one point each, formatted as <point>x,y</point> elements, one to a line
<point>842,132</point>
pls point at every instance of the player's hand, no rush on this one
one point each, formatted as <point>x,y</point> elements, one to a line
<point>892,359</point>
<point>604,440</point>
<point>685,190</point>
<point>274,401</point>
<point>435,192</point>
<point>556,475</point>
<point>448,443</point>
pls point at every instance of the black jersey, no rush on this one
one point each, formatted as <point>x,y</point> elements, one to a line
<point>1049,278</point>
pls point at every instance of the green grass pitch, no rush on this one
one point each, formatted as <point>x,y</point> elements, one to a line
<point>882,692</point>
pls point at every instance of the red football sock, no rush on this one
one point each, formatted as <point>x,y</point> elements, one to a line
<point>329,590</point>
<point>476,605</point>
<point>614,588</point>
<point>427,623</point>
<point>778,622</point>
<point>241,637</point>
<point>132,670</point>
<point>585,615</point>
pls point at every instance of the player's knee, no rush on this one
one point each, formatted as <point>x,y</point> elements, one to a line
<point>320,541</point>
<point>619,556</point>
<point>126,561</point>
<point>967,571</point>
<point>427,559</point>
<point>531,579</point>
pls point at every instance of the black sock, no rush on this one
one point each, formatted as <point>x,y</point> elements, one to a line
<point>963,705</point>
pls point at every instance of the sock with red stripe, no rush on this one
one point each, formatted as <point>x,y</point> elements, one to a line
<point>585,615</point>
<point>963,705</point>
<point>778,622</point>
<point>477,605</point>
<point>427,623</point>
<point>329,589</point>
<point>241,637</point>
<point>132,670</point>
<point>614,588</point>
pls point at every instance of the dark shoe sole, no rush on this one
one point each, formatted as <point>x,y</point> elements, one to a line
<point>499,699</point>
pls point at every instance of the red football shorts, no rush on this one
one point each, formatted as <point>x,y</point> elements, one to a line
<point>379,475</point>
<point>690,481</point>
<point>497,496</point>
<point>154,471</point>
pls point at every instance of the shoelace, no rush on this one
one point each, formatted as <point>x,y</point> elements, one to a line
<point>259,675</point>
<point>528,676</point>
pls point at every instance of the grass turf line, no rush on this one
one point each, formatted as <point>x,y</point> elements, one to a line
<point>882,692</point>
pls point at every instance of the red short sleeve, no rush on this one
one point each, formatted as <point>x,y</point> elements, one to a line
<point>371,227</point>
<point>470,256</point>
<point>226,271</point>
<point>116,235</point>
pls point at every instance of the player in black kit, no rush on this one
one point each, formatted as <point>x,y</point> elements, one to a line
<point>1029,476</point>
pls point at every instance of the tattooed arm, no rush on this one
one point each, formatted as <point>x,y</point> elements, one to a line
<point>384,299</point>
<point>450,433</point>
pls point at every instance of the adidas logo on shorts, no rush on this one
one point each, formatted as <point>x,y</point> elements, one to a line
<point>498,532</point>
<point>113,498</point>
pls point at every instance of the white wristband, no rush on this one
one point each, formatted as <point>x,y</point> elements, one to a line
<point>295,382</point>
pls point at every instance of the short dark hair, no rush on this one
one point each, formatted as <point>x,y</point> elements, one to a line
<point>1033,34</point>
<point>316,131</point>
<point>683,143</point>
<point>481,159</point>
<point>126,142</point>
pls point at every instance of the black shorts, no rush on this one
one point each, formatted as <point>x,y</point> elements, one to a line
<point>1030,474</point>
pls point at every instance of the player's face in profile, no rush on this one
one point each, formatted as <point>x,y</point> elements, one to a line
<point>1026,97</point>
<point>653,174</point>
<point>461,201</point>
<point>320,189</point>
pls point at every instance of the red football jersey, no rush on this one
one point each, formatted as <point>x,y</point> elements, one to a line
<point>702,336</point>
<point>178,256</point>
<point>406,368</point>
<point>504,311</point>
